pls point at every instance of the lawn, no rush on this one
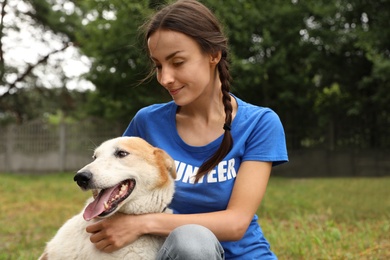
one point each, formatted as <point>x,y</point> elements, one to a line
<point>339,218</point>
<point>335,218</point>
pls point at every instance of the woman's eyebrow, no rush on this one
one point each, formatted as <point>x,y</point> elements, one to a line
<point>168,56</point>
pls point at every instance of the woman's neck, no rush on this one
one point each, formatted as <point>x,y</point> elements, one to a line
<point>207,108</point>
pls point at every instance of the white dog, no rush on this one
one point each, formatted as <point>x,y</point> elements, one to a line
<point>127,175</point>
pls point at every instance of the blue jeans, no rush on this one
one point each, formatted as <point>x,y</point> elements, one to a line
<point>191,242</point>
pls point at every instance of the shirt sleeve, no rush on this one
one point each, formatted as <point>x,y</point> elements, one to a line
<point>267,141</point>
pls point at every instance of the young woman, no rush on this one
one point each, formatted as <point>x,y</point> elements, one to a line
<point>224,148</point>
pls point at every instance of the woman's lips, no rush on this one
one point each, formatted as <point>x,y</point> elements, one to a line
<point>175,91</point>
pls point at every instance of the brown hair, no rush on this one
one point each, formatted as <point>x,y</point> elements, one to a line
<point>196,21</point>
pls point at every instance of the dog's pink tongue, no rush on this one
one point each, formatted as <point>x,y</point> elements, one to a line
<point>96,207</point>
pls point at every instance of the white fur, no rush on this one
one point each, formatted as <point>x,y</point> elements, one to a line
<point>154,173</point>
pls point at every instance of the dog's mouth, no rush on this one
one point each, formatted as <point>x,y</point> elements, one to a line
<point>108,200</point>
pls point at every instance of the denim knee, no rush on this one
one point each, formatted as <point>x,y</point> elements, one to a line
<point>191,242</point>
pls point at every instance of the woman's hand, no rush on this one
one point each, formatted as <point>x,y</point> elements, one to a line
<point>115,232</point>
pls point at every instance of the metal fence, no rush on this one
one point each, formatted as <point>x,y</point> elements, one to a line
<point>39,146</point>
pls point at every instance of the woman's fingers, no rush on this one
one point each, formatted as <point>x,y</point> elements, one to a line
<point>94,228</point>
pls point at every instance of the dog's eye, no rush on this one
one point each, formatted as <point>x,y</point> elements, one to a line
<point>121,154</point>
<point>94,157</point>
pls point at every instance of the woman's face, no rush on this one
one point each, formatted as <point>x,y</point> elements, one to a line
<point>181,67</point>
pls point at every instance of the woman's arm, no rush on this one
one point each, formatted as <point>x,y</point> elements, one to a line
<point>228,225</point>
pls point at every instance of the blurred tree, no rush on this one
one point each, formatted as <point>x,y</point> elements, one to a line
<point>21,82</point>
<point>323,66</point>
<point>352,52</point>
<point>110,36</point>
<point>270,59</point>
<point>288,54</point>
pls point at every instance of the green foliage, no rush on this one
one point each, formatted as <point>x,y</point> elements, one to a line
<point>38,102</point>
<point>286,55</point>
<point>56,19</point>
<point>110,36</point>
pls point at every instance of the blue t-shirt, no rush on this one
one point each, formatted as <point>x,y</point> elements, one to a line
<point>258,135</point>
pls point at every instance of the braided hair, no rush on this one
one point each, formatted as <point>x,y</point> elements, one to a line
<point>196,21</point>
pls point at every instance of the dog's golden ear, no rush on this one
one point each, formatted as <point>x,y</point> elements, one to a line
<point>165,162</point>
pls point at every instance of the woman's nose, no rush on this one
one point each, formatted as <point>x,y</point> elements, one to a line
<point>166,76</point>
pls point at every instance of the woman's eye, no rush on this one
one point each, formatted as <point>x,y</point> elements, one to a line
<point>178,63</point>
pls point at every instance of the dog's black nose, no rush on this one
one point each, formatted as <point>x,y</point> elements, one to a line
<point>82,179</point>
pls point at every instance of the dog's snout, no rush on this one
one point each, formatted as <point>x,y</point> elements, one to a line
<point>82,179</point>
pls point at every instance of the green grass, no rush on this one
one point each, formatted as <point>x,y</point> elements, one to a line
<point>341,218</point>
<point>32,208</point>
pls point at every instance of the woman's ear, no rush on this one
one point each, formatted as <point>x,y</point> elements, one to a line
<point>215,57</point>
